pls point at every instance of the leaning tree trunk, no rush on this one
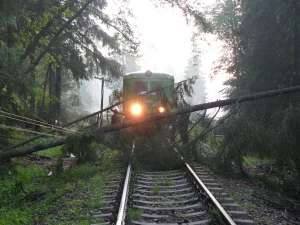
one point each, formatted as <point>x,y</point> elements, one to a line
<point>296,7</point>
<point>5,155</point>
<point>58,83</point>
<point>55,93</point>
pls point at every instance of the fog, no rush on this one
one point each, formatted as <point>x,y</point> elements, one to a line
<point>164,49</point>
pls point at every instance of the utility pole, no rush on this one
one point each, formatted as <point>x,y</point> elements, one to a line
<point>100,115</point>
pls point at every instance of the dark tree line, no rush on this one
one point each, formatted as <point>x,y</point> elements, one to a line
<point>46,43</point>
<point>262,52</point>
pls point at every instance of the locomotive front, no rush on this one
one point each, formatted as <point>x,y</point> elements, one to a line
<point>147,94</point>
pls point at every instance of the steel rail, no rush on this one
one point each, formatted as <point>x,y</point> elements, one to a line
<point>124,199</point>
<point>227,218</point>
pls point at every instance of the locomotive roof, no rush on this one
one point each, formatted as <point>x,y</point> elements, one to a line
<point>148,75</point>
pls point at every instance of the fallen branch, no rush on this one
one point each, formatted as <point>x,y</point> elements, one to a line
<point>30,149</point>
<point>99,132</point>
<point>199,107</point>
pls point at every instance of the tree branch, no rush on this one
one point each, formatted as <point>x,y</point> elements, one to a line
<point>35,41</point>
<point>100,131</point>
<point>56,36</point>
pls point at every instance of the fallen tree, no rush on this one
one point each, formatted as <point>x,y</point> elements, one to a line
<point>4,155</point>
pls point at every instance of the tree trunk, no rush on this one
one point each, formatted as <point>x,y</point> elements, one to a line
<point>42,106</point>
<point>52,78</point>
<point>296,39</point>
<point>4,155</point>
<point>32,95</point>
<point>55,93</point>
<point>58,93</point>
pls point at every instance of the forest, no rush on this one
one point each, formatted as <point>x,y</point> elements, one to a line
<point>48,48</point>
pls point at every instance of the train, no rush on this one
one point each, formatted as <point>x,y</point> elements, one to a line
<point>146,94</point>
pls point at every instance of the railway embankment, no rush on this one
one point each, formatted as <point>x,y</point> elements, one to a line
<point>263,205</point>
<point>261,190</point>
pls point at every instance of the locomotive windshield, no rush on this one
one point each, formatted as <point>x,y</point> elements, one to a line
<point>140,87</point>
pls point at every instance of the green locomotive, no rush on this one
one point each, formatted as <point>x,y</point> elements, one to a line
<point>146,94</point>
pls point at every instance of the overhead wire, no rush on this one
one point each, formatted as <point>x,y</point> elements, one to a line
<point>91,115</point>
<point>11,137</point>
<point>190,109</point>
<point>35,124</point>
<point>27,130</point>
<point>33,121</point>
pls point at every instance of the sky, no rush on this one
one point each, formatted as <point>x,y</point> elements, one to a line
<point>166,46</point>
<point>165,37</point>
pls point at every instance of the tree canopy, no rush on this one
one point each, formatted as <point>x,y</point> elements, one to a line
<point>262,52</point>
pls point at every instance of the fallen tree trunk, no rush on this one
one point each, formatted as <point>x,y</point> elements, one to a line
<point>100,131</point>
<point>30,149</point>
<point>204,106</point>
<point>64,126</point>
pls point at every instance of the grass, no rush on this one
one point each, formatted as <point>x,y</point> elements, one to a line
<point>156,189</point>
<point>215,217</point>
<point>252,161</point>
<point>134,214</point>
<point>168,182</point>
<point>54,152</point>
<point>28,196</point>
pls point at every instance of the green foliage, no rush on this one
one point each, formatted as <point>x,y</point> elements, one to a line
<point>26,174</point>
<point>73,193</point>
<point>95,187</point>
<point>16,182</point>
<point>134,214</point>
<point>81,172</point>
<point>215,217</point>
<point>108,158</point>
<point>83,146</point>
<point>155,152</point>
<point>156,190</point>
<point>262,52</point>
<point>15,217</point>
<point>46,43</point>
<point>54,152</point>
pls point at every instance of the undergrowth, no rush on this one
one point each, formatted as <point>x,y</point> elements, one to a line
<point>52,152</point>
<point>29,196</point>
<point>262,170</point>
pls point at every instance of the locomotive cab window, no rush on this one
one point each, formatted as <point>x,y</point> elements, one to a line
<point>140,87</point>
<point>156,86</point>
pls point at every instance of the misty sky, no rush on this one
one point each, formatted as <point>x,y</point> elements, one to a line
<point>165,38</point>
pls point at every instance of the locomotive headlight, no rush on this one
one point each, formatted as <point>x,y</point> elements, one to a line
<point>161,109</point>
<point>136,109</point>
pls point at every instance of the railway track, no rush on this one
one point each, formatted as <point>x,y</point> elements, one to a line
<point>188,196</point>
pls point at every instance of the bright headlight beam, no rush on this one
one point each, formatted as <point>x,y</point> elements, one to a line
<point>161,109</point>
<point>136,109</point>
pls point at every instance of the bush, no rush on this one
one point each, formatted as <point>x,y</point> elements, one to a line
<point>15,217</point>
<point>83,146</point>
<point>156,153</point>
<point>110,159</point>
<point>54,152</point>
<point>84,171</point>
